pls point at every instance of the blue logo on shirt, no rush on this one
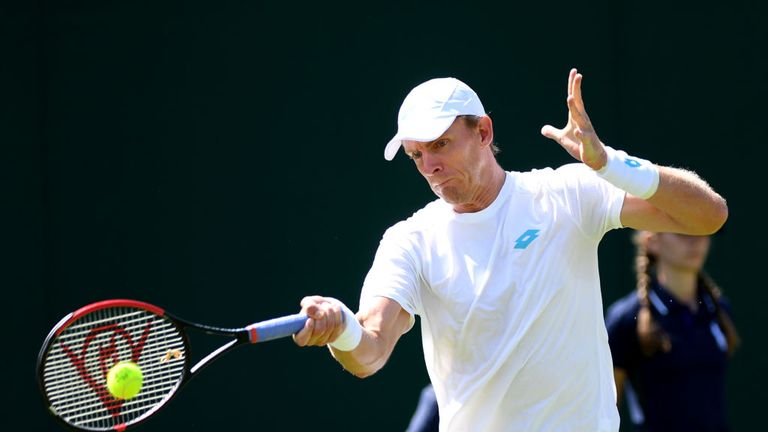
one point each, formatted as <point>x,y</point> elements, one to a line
<point>631,163</point>
<point>524,240</point>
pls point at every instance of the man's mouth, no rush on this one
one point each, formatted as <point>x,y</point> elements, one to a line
<point>440,183</point>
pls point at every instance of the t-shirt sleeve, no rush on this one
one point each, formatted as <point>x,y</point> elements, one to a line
<point>394,273</point>
<point>593,202</point>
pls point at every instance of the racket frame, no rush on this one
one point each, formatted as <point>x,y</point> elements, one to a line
<point>271,329</point>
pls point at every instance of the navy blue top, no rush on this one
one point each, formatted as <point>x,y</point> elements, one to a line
<point>426,418</point>
<point>681,390</point>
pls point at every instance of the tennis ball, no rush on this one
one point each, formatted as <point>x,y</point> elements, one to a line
<point>124,380</point>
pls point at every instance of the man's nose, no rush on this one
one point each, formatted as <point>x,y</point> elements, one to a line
<point>430,164</point>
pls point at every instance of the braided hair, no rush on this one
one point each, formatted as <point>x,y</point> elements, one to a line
<point>723,320</point>
<point>651,336</point>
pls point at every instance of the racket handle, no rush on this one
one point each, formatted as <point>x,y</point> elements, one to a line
<point>276,328</point>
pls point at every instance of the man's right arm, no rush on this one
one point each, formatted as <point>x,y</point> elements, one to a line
<point>383,321</point>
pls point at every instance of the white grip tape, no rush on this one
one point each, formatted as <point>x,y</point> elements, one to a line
<point>631,174</point>
<point>349,339</point>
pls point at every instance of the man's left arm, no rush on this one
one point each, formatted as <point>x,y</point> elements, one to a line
<point>682,203</point>
<point>658,198</point>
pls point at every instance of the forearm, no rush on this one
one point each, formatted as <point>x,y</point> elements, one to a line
<point>382,322</point>
<point>689,202</point>
<point>367,358</point>
<point>682,203</point>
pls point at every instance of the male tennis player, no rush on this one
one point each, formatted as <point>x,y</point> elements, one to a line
<point>502,268</point>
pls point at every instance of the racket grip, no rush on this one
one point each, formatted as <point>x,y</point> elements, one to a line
<point>276,328</point>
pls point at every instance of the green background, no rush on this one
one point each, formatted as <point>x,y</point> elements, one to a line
<point>223,159</point>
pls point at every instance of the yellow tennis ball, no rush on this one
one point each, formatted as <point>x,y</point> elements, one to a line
<point>124,380</point>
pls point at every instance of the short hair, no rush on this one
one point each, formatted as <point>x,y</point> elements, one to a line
<point>472,121</point>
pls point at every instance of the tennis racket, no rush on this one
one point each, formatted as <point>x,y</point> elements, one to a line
<point>79,351</point>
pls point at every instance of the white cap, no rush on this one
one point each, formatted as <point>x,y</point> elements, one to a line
<point>430,109</point>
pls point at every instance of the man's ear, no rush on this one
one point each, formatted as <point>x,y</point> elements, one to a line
<point>485,127</point>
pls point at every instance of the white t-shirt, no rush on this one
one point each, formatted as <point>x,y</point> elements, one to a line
<point>509,303</point>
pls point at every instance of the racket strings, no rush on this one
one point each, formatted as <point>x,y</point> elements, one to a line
<point>74,369</point>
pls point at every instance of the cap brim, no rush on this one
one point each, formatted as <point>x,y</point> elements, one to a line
<point>421,132</point>
<point>392,146</point>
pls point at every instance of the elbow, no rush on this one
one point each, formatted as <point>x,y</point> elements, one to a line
<point>709,221</point>
<point>723,214</point>
<point>364,371</point>
<point>358,367</point>
<point>705,220</point>
<point>719,215</point>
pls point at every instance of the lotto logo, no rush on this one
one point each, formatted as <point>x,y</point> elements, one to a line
<point>524,240</point>
<point>631,163</point>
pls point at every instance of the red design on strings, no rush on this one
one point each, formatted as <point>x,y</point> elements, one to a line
<point>108,357</point>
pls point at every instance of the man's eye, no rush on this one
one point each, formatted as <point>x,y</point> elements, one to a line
<point>414,155</point>
<point>441,143</point>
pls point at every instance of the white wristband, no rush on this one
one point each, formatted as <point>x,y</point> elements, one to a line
<point>634,175</point>
<point>349,339</point>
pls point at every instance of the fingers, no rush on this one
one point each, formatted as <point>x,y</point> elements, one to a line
<point>578,121</point>
<point>577,79</point>
<point>326,324</point>
<point>551,132</point>
<point>578,114</point>
<point>574,92</point>
<point>325,321</point>
<point>576,110</point>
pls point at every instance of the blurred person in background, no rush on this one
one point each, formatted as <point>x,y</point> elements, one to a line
<point>671,339</point>
<point>426,418</point>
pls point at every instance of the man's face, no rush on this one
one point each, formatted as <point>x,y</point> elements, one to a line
<point>451,164</point>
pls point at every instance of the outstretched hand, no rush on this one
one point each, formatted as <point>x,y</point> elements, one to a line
<point>578,137</point>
